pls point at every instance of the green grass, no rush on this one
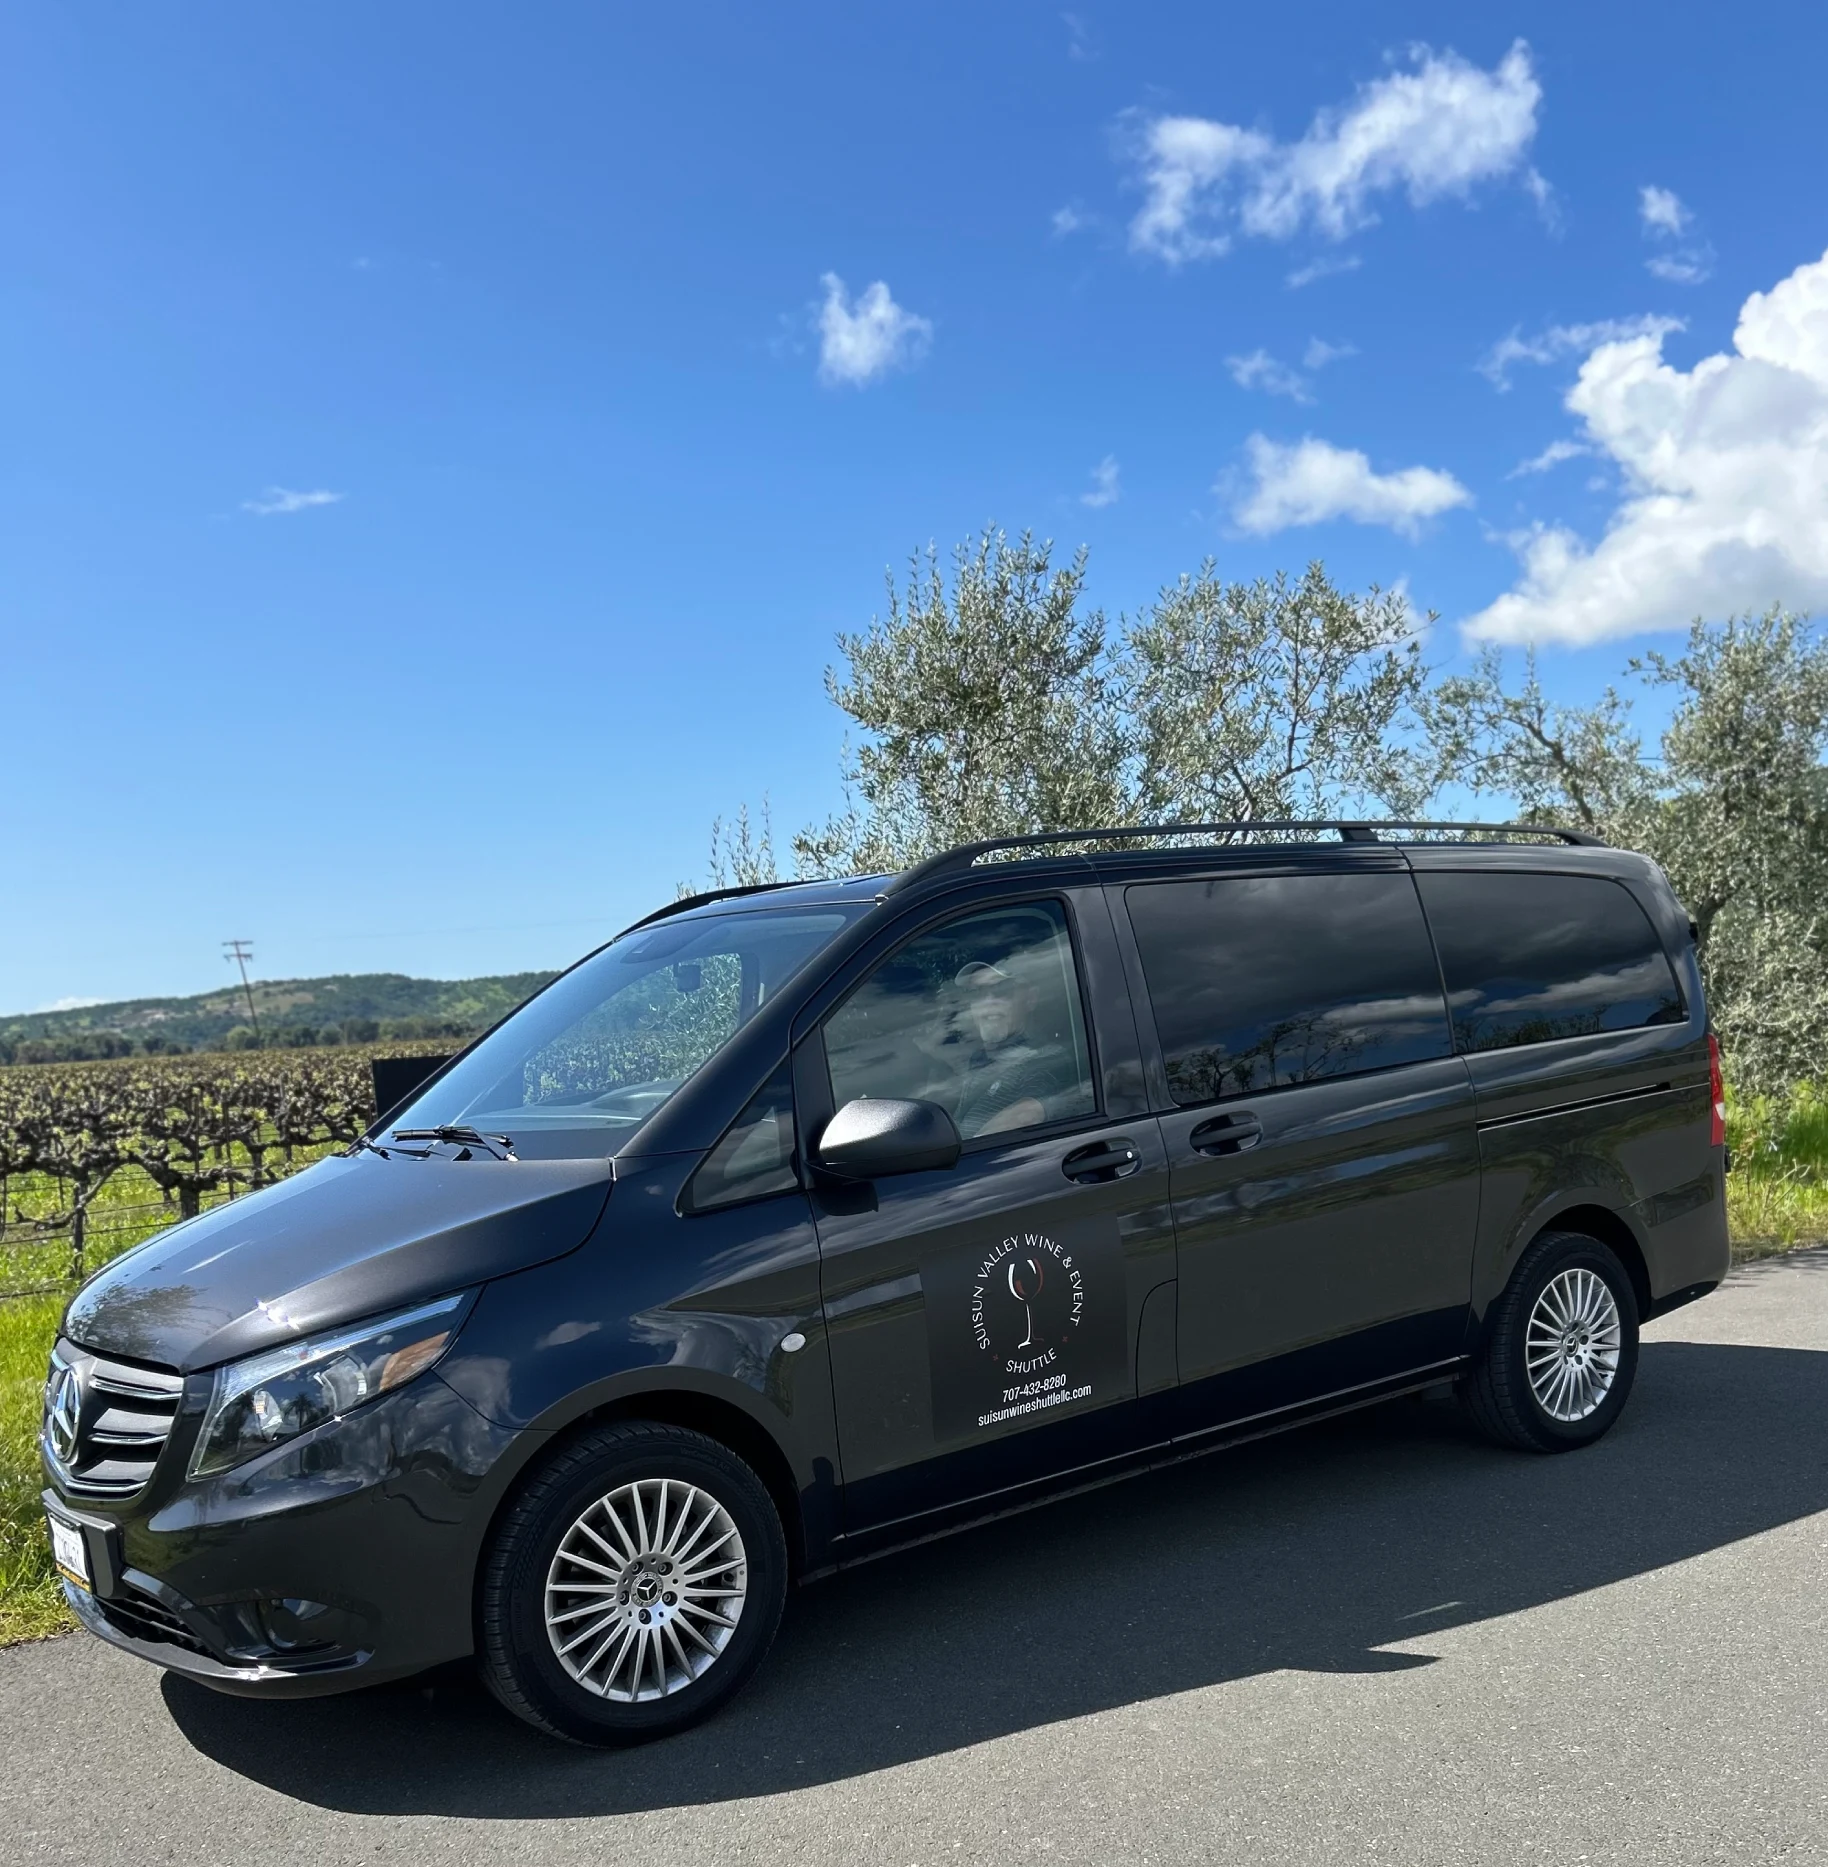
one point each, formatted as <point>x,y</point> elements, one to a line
<point>1777,1200</point>
<point>128,1210</point>
<point>1777,1193</point>
<point>31,1603</point>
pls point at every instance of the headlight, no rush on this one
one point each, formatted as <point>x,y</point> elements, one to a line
<point>270,1398</point>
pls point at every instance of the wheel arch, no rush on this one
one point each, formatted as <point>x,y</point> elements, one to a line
<point>711,1414</point>
<point>1610,1228</point>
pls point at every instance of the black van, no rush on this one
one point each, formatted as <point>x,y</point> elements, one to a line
<point>801,1222</point>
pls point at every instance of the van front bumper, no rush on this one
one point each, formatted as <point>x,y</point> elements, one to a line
<point>342,1559</point>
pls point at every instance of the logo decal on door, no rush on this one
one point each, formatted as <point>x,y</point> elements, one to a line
<point>1036,1325</point>
<point>1026,1304</point>
<point>1028,1299</point>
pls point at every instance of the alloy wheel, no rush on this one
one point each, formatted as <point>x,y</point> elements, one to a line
<point>1572,1345</point>
<point>645,1590</point>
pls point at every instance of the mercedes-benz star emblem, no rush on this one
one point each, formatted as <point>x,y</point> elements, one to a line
<point>62,1415</point>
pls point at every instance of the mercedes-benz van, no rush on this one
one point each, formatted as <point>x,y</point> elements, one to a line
<point>801,1222</point>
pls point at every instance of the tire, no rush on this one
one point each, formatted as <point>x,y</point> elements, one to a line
<point>1570,1310</point>
<point>617,1514</point>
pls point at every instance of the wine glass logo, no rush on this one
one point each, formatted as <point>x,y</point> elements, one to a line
<point>1025,1280</point>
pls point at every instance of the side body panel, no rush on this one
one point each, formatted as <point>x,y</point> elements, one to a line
<point>679,1313</point>
<point>934,1409</point>
<point>929,1413</point>
<point>1335,1251</point>
<point>1616,1120</point>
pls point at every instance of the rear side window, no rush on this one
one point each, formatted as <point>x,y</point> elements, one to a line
<point>1528,958</point>
<point>1261,981</point>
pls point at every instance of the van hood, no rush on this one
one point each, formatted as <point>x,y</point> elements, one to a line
<point>353,1236</point>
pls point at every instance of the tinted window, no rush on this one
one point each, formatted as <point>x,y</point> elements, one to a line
<point>981,1015</point>
<point>1531,957</point>
<point>755,1157</point>
<point>1260,981</point>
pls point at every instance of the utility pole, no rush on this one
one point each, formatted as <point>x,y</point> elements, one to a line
<point>241,951</point>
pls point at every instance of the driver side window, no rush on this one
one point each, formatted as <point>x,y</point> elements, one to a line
<point>981,1015</point>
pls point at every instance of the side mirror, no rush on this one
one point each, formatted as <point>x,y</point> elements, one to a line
<point>877,1135</point>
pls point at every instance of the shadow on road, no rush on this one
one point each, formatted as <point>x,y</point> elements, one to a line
<point>1316,1551</point>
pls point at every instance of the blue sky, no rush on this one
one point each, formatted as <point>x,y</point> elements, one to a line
<point>444,440</point>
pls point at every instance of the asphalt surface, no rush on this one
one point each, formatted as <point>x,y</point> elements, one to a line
<point>1375,1640</point>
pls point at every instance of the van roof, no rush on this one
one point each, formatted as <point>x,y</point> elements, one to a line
<point>1157,845</point>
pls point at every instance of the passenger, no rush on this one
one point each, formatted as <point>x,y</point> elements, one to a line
<point>1008,1080</point>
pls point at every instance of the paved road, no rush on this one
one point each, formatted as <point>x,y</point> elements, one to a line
<point>1373,1641</point>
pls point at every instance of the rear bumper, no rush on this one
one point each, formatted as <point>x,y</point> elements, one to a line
<point>1684,1232</point>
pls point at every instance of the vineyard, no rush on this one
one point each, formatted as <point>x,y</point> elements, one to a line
<point>95,1156</point>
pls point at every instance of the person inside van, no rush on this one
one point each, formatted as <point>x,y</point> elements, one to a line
<point>1008,1079</point>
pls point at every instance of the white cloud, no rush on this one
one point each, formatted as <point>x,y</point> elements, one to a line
<point>1551,456</point>
<point>277,500</point>
<point>1725,482</point>
<point>1561,340</point>
<point>1320,353</point>
<point>1435,130</point>
<point>1536,186</point>
<point>1661,211</point>
<point>1686,268</point>
<point>70,1004</point>
<point>1325,267</point>
<point>1313,481</point>
<point>1067,220</point>
<point>1081,42</point>
<point>1105,490</point>
<point>858,343</point>
<point>1260,370</point>
<point>1667,218</point>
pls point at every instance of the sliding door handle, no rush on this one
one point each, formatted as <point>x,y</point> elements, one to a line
<point>1227,1134</point>
<point>1103,1160</point>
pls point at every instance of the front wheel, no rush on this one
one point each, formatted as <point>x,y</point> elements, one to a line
<point>633,1587</point>
<point>1560,1350</point>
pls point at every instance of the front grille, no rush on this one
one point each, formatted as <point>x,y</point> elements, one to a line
<point>139,1617</point>
<point>106,1421</point>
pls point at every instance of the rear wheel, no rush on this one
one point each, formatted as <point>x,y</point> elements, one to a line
<point>1561,1348</point>
<point>634,1586</point>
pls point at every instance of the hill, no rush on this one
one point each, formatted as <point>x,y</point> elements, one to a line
<point>346,1008</point>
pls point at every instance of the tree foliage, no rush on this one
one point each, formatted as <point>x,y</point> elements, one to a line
<point>1734,805</point>
<point>997,704</point>
<point>989,708</point>
<point>1274,699</point>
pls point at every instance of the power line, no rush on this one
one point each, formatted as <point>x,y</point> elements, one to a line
<point>241,951</point>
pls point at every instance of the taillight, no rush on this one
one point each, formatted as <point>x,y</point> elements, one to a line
<point>1716,1089</point>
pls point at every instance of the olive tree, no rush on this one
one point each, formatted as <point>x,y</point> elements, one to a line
<point>1734,805</point>
<point>988,706</point>
<point>997,703</point>
<point>1275,699</point>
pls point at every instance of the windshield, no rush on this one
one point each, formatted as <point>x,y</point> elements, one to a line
<point>578,1068</point>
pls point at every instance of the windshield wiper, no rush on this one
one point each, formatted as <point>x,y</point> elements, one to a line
<point>362,1141</point>
<point>496,1146</point>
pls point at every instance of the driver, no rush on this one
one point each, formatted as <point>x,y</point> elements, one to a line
<point>1007,1079</point>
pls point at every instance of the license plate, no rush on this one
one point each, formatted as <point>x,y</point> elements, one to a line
<point>70,1551</point>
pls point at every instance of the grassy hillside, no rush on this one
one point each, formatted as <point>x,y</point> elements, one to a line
<point>348,1007</point>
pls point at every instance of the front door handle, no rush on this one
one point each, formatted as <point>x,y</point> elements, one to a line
<point>1103,1160</point>
<point>1227,1134</point>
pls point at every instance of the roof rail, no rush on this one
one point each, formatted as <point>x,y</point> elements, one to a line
<point>1350,830</point>
<point>698,901</point>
